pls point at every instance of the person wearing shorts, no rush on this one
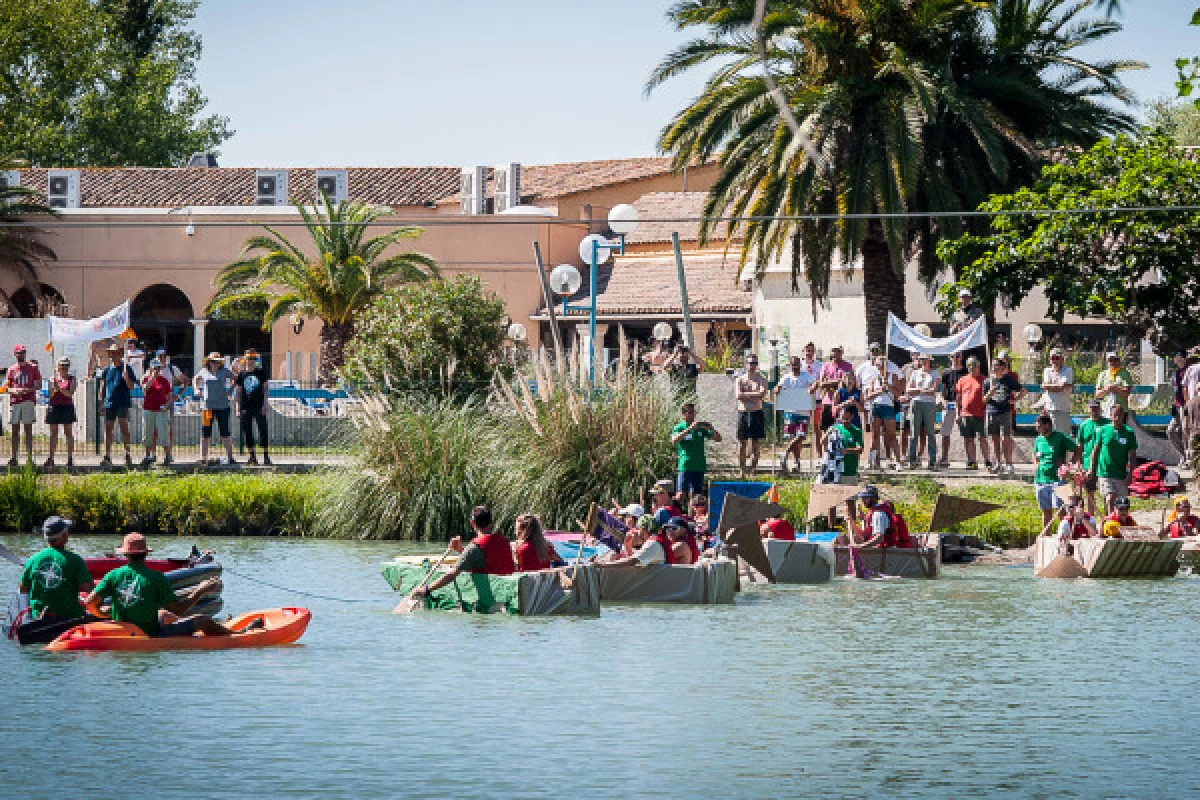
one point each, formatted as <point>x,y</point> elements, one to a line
<point>22,379</point>
<point>213,385</point>
<point>60,411</point>
<point>1051,450</point>
<point>1113,457</point>
<point>948,400</point>
<point>117,381</point>
<point>1089,431</point>
<point>156,393</point>
<point>971,409</point>
<point>1001,392</point>
<point>795,423</point>
<point>750,388</point>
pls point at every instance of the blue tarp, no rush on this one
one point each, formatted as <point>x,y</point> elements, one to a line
<point>718,489</point>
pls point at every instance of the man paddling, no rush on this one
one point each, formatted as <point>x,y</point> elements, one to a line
<point>145,598</point>
<point>885,527</point>
<point>488,554</point>
<point>54,577</point>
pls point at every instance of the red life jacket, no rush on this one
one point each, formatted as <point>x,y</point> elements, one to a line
<point>663,540</point>
<point>1177,530</point>
<point>1147,480</point>
<point>527,560</point>
<point>781,529</point>
<point>1080,531</point>
<point>897,534</point>
<point>497,552</point>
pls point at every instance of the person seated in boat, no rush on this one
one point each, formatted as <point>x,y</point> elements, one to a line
<point>665,506</point>
<point>1183,522</point>
<point>683,541</point>
<point>653,547</point>
<point>777,528</point>
<point>54,577</point>
<point>699,515</point>
<point>884,525</point>
<point>1075,522</point>
<point>488,554</point>
<point>533,552</point>
<point>629,515</point>
<point>1121,515</point>
<point>145,598</point>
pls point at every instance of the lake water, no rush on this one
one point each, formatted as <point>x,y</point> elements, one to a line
<point>988,681</point>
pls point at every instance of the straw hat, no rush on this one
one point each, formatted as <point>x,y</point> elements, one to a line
<point>214,356</point>
<point>133,545</point>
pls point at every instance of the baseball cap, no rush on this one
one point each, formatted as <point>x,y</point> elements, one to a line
<point>873,346</point>
<point>19,349</point>
<point>632,510</point>
<point>154,362</point>
<point>1055,351</point>
<point>55,526</point>
<point>1122,502</point>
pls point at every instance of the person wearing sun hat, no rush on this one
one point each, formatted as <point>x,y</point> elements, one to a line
<point>250,404</point>
<point>144,596</point>
<point>60,410</point>
<point>118,381</point>
<point>213,385</point>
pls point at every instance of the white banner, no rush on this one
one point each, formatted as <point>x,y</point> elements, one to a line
<point>794,401</point>
<point>901,335</point>
<point>107,326</point>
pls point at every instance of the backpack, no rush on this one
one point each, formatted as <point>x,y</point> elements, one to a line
<point>1147,480</point>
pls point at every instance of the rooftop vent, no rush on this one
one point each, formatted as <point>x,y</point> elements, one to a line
<point>203,160</point>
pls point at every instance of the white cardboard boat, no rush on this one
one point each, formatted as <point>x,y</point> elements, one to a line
<point>923,561</point>
<point>1107,558</point>
<point>705,583</point>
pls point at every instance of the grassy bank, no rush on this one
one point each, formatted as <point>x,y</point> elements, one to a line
<point>163,503</point>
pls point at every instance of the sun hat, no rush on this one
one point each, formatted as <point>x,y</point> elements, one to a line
<point>134,544</point>
<point>64,362</point>
<point>1181,500</point>
<point>924,357</point>
<point>632,510</point>
<point>214,356</point>
<point>154,362</point>
<point>1111,354</point>
<point>664,485</point>
<point>1055,351</point>
<point>55,527</point>
<point>873,346</point>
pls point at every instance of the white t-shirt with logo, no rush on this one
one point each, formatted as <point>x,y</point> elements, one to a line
<point>923,381</point>
<point>1057,401</point>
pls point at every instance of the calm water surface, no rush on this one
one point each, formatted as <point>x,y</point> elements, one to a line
<point>986,682</point>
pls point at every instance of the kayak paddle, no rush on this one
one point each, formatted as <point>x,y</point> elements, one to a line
<point>406,605</point>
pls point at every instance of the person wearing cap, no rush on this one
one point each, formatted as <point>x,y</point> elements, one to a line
<point>689,436</point>
<point>60,411</point>
<point>1114,384</point>
<point>648,545</point>
<point>1051,449</point>
<point>684,547</point>
<point>145,598</point>
<point>54,577</point>
<point>156,420</point>
<point>1182,521</point>
<point>1120,514</point>
<point>967,312</point>
<point>213,385</point>
<point>664,506</point>
<point>250,404</point>
<point>1113,457</point>
<point>630,514</point>
<point>922,393</point>
<point>1058,381</point>
<point>799,382</point>
<point>751,389</point>
<point>777,528</point>
<point>488,553</point>
<point>1001,393</point>
<point>884,525</point>
<point>683,368</point>
<point>22,381</point>
<point>948,401</point>
<point>1086,436</point>
<point>118,382</point>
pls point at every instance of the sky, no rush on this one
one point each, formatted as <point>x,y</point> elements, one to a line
<point>459,82</point>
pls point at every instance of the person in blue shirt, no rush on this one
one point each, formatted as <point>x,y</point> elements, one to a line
<point>117,381</point>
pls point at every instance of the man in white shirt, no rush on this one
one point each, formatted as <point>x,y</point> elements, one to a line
<point>1058,381</point>
<point>867,371</point>
<point>795,422</point>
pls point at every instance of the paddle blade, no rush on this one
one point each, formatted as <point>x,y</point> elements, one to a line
<point>406,606</point>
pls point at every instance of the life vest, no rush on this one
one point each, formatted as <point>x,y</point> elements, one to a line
<point>527,560</point>
<point>897,534</point>
<point>1178,529</point>
<point>663,540</point>
<point>1148,480</point>
<point>497,552</point>
<point>1080,531</point>
<point>1115,517</point>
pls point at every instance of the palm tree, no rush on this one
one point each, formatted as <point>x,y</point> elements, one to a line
<point>910,105</point>
<point>346,275</point>
<point>21,248</point>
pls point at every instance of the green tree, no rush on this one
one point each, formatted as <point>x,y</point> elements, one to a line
<point>1178,121</point>
<point>926,105</point>
<point>346,275</point>
<point>21,247</point>
<point>1139,269</point>
<point>1189,68</point>
<point>103,83</point>
<point>444,331</point>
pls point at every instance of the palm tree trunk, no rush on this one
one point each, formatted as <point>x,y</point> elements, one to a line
<point>334,338</point>
<point>883,289</point>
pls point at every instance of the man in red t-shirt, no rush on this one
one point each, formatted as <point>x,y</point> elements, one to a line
<point>969,401</point>
<point>22,381</point>
<point>777,528</point>
<point>156,419</point>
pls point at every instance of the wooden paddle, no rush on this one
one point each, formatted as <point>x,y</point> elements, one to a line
<point>406,605</point>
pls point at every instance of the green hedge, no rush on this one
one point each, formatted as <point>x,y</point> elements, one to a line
<point>163,503</point>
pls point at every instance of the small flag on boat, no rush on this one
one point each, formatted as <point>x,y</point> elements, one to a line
<point>606,529</point>
<point>772,495</point>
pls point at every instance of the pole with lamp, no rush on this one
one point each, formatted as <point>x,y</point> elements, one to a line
<point>516,334</point>
<point>1033,337</point>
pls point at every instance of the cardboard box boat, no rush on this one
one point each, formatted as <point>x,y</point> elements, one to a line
<point>1107,558</point>
<point>707,583</point>
<point>552,592</point>
<point>798,562</point>
<point>923,561</point>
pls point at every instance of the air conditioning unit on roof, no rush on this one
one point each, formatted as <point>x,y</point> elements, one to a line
<point>62,188</point>
<point>472,190</point>
<point>506,186</point>
<point>270,187</point>
<point>332,182</point>
<point>9,178</point>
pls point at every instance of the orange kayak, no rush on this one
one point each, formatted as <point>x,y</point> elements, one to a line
<point>280,626</point>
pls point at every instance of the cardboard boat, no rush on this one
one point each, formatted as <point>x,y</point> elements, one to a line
<point>923,561</point>
<point>553,592</point>
<point>709,582</point>
<point>1189,552</point>
<point>1107,558</point>
<point>802,561</point>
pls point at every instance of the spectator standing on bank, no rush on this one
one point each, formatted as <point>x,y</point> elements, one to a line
<point>1114,455</point>
<point>922,398</point>
<point>60,410</point>
<point>1051,449</point>
<point>250,404</point>
<point>1114,385</point>
<point>795,423</point>
<point>866,374</point>
<point>1058,382</point>
<point>881,399</point>
<point>689,436</point>
<point>213,386</point>
<point>948,400</point>
<point>22,381</point>
<point>1001,393</point>
<point>684,368</point>
<point>1177,425</point>
<point>972,413</point>
<point>117,382</point>
<point>179,383</point>
<point>656,360</point>
<point>750,388</point>
<point>829,381</point>
<point>156,397</point>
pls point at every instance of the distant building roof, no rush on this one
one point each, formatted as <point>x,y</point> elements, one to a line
<point>685,208</point>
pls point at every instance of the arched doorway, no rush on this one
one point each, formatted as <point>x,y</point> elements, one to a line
<point>48,300</point>
<point>161,316</point>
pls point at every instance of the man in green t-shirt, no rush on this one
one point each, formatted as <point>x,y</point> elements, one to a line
<point>852,449</point>
<point>1114,455</point>
<point>689,436</point>
<point>1051,449</point>
<point>54,577</point>
<point>1088,431</point>
<point>145,598</point>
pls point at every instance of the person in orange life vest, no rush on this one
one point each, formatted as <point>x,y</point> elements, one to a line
<point>683,541</point>
<point>488,553</point>
<point>1121,515</point>
<point>1075,522</point>
<point>533,552</point>
<point>652,546</point>
<point>1185,522</point>
<point>885,527</point>
<point>777,528</point>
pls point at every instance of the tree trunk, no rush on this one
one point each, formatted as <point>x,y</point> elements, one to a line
<point>883,289</point>
<point>334,339</point>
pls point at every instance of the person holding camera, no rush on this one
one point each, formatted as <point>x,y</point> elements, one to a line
<point>689,436</point>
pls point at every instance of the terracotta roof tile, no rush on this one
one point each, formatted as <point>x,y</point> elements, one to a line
<point>686,208</point>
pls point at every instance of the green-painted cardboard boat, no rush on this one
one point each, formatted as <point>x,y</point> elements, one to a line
<point>553,592</point>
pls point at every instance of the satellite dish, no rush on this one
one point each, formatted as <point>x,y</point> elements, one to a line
<point>662,331</point>
<point>603,254</point>
<point>565,280</point>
